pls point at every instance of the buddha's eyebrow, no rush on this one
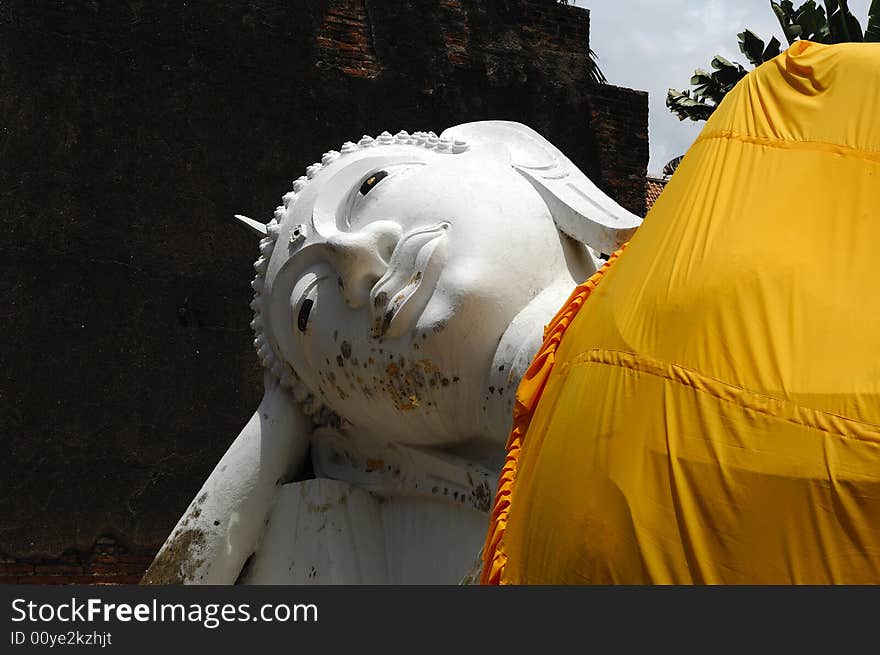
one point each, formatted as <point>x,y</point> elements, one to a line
<point>332,209</point>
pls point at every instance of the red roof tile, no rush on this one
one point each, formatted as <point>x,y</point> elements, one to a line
<point>653,187</point>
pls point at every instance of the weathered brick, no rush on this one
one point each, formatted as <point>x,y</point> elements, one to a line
<point>15,580</point>
<point>356,72</point>
<point>16,568</point>
<point>57,569</point>
<point>57,579</point>
<point>81,567</point>
<point>102,568</point>
<point>133,558</point>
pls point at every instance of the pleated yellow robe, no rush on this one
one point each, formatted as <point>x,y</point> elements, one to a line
<point>706,409</point>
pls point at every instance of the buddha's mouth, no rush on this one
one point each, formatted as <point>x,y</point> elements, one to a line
<point>400,295</point>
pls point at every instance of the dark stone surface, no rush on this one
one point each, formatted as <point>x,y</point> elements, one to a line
<point>132,132</point>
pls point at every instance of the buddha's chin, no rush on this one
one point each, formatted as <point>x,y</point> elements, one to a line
<point>412,399</point>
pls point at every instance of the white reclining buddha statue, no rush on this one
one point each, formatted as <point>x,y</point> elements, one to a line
<point>401,293</point>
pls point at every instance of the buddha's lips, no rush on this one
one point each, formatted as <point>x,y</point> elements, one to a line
<point>394,297</point>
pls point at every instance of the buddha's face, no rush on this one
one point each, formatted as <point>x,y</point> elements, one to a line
<point>396,270</point>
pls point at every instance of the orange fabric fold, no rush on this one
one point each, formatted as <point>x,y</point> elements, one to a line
<point>528,394</point>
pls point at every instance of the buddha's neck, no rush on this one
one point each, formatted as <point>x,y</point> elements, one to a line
<point>515,352</point>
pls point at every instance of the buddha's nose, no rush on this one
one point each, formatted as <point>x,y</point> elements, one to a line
<point>361,258</point>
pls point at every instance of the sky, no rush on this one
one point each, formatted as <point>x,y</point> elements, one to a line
<point>652,45</point>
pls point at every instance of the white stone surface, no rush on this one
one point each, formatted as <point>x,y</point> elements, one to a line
<point>322,532</point>
<point>401,292</point>
<point>325,531</point>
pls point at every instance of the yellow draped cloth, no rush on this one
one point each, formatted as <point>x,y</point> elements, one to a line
<point>706,409</point>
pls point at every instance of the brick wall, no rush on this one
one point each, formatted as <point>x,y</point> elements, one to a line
<point>107,562</point>
<point>345,40</point>
<point>619,117</point>
<point>134,132</point>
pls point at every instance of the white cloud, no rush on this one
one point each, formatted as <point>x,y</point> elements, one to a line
<point>654,45</point>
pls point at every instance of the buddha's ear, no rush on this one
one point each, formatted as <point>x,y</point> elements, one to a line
<point>579,208</point>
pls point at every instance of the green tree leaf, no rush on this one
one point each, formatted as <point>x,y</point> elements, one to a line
<point>684,106</point>
<point>752,47</point>
<point>772,49</point>
<point>843,26</point>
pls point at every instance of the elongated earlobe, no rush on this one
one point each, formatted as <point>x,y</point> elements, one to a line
<point>579,208</point>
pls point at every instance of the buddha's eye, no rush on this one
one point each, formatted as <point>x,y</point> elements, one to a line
<point>303,298</point>
<point>374,179</point>
<point>302,321</point>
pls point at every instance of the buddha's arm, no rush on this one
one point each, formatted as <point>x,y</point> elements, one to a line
<point>224,523</point>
